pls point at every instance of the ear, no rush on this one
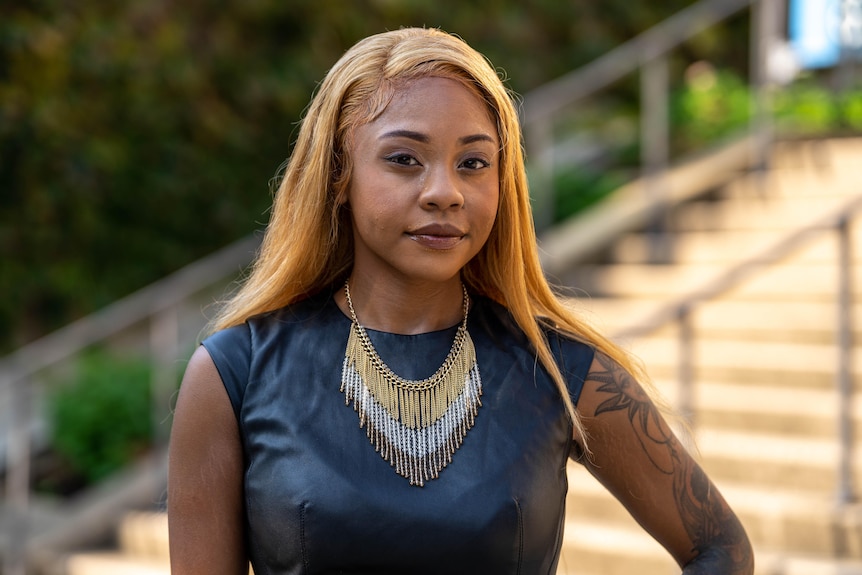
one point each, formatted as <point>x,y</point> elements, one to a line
<point>340,186</point>
<point>342,198</point>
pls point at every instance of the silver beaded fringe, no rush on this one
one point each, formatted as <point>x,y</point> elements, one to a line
<point>416,453</point>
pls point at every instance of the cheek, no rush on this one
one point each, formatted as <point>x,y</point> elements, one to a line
<point>378,214</point>
<point>490,212</point>
<point>489,219</point>
<point>372,216</point>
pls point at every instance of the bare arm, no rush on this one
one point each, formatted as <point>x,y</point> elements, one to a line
<point>205,492</point>
<point>638,459</point>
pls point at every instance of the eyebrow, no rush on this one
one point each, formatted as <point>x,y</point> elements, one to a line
<point>423,138</point>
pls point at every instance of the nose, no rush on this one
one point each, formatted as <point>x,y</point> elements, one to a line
<point>441,190</point>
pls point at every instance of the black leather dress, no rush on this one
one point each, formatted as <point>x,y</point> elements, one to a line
<point>319,499</point>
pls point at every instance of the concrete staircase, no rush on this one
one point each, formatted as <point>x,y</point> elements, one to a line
<point>765,400</point>
<point>142,549</point>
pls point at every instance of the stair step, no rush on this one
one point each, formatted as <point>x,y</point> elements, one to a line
<point>771,409</point>
<point>821,155</point>
<point>594,548</point>
<point>608,552</point>
<point>590,546</point>
<point>773,460</point>
<point>757,408</point>
<point>748,212</point>
<point>777,563</point>
<point>142,549</point>
<point>797,181</point>
<point>800,321</point>
<point>809,366</point>
<point>767,563</point>
<point>732,246</point>
<point>762,356</point>
<point>145,534</point>
<point>115,563</point>
<point>817,282</point>
<point>775,517</point>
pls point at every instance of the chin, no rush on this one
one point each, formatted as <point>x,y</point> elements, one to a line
<point>434,273</point>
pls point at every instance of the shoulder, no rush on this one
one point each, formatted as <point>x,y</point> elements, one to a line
<point>249,334</point>
<point>238,351</point>
<point>567,347</point>
<point>612,387</point>
<point>574,358</point>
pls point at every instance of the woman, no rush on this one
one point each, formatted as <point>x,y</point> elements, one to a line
<point>395,388</point>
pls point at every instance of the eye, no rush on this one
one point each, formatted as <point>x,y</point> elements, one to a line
<point>402,160</point>
<point>475,163</point>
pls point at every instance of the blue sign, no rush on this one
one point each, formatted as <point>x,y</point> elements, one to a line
<point>822,31</point>
<point>814,32</point>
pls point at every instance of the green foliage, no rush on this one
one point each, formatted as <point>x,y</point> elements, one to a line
<point>851,104</point>
<point>808,108</point>
<point>717,103</point>
<point>711,106</point>
<point>101,419</point>
<point>583,188</point>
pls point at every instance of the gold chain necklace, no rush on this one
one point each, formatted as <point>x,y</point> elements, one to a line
<point>415,425</point>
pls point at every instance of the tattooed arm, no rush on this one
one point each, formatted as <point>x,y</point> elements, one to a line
<point>636,456</point>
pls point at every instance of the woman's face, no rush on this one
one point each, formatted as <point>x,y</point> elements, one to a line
<point>425,183</point>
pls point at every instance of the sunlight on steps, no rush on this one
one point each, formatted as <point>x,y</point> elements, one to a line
<point>142,539</point>
<point>764,396</point>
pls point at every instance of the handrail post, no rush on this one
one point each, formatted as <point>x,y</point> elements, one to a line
<point>685,369</point>
<point>164,346</point>
<point>17,475</point>
<point>766,17</point>
<point>844,373</point>
<point>540,137</point>
<point>654,148</point>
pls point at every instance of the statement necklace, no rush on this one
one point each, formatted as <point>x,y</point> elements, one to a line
<point>415,425</point>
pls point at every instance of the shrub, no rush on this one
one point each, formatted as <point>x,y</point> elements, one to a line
<point>100,420</point>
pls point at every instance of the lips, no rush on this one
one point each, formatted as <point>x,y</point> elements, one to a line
<point>437,236</point>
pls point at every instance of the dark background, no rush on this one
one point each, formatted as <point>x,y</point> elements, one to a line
<point>136,137</point>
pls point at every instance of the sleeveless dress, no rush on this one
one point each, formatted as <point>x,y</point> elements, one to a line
<point>319,499</point>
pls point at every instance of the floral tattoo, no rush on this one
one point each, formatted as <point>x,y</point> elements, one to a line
<point>716,534</point>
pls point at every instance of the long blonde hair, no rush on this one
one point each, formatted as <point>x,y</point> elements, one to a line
<point>308,243</point>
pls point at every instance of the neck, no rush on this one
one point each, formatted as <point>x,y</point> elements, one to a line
<point>404,309</point>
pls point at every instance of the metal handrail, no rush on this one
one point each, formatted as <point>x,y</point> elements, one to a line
<point>680,310</point>
<point>159,303</point>
<point>126,312</point>
<point>743,270</point>
<point>543,103</point>
<point>647,52</point>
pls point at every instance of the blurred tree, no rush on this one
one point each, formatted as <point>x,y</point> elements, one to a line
<point>138,136</point>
